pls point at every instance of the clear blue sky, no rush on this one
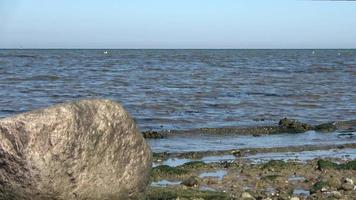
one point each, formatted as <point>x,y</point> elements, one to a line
<point>177,24</point>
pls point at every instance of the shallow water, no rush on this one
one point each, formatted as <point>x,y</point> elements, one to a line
<point>296,178</point>
<point>209,142</point>
<point>165,183</point>
<point>174,162</point>
<point>185,89</point>
<point>303,156</point>
<point>345,154</point>
<point>301,192</point>
<point>216,174</point>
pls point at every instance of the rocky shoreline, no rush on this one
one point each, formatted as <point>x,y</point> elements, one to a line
<point>234,174</point>
<point>285,125</point>
<point>315,179</point>
<point>76,150</point>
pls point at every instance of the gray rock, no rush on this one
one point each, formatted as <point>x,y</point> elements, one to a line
<point>349,180</point>
<point>191,182</point>
<point>347,186</point>
<point>336,194</point>
<point>90,149</point>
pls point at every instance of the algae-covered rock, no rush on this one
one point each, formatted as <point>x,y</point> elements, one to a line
<point>327,127</point>
<point>192,181</point>
<point>292,126</point>
<point>90,149</point>
<point>153,135</point>
<point>318,186</point>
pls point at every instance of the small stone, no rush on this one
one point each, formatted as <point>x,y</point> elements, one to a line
<point>294,198</point>
<point>347,186</point>
<point>349,180</point>
<point>324,189</point>
<point>246,195</point>
<point>236,153</point>
<point>336,194</point>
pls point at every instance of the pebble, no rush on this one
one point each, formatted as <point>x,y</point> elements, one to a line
<point>347,186</point>
<point>191,182</point>
<point>246,195</point>
<point>336,194</point>
<point>349,180</point>
<point>294,198</point>
<point>324,189</point>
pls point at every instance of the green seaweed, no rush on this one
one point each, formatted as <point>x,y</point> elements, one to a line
<point>270,177</point>
<point>167,170</point>
<point>351,165</point>
<point>174,193</point>
<point>318,186</point>
<point>325,164</point>
<point>274,164</point>
<point>193,165</point>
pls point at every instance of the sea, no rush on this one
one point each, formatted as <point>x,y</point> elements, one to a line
<point>187,89</point>
<point>182,90</point>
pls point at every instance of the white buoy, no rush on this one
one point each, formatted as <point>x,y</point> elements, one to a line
<point>105,52</point>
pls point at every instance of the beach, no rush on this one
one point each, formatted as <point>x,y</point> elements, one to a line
<point>222,124</point>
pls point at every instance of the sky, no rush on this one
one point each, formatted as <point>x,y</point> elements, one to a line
<point>236,24</point>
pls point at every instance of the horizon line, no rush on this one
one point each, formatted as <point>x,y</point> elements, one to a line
<point>352,48</point>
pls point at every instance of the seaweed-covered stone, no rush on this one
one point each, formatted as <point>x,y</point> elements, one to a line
<point>89,149</point>
<point>153,135</point>
<point>327,127</point>
<point>292,126</point>
<point>192,181</point>
<point>318,186</point>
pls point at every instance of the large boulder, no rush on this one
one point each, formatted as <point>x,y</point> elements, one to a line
<point>90,149</point>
